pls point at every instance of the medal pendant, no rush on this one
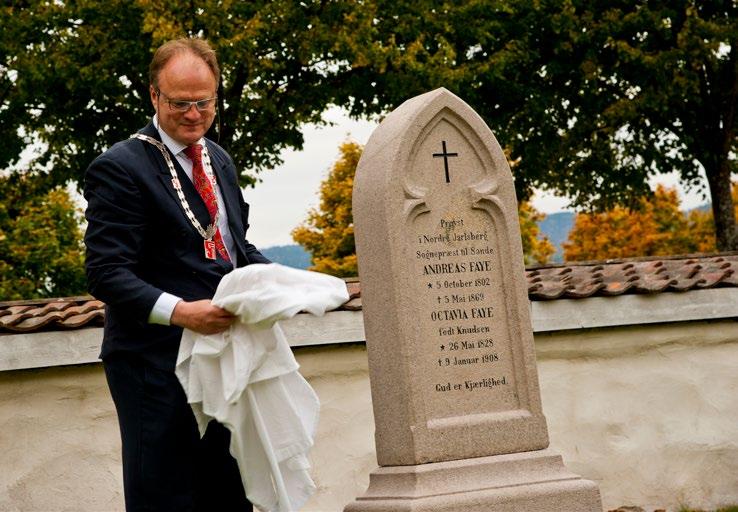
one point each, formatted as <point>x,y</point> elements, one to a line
<point>209,249</point>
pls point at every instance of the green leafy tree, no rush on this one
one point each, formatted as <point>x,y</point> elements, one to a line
<point>73,82</point>
<point>328,232</point>
<point>41,253</point>
<point>74,79</point>
<point>594,97</point>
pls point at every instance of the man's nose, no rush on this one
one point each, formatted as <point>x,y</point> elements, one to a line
<point>192,112</point>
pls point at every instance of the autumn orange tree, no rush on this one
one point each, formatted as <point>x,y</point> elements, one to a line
<point>654,227</point>
<point>537,248</point>
<point>328,232</point>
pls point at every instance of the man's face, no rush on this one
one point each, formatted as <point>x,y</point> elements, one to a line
<point>184,77</point>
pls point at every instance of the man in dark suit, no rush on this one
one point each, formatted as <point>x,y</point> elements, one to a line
<point>166,220</point>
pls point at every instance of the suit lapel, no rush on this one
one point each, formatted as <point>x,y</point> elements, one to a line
<point>197,205</point>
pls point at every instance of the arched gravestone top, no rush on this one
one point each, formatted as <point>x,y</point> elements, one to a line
<point>446,313</point>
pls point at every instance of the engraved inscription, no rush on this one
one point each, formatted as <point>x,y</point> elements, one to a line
<point>461,300</point>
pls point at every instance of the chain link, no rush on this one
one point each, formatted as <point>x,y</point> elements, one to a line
<point>208,233</point>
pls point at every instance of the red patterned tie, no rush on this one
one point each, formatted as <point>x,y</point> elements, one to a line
<point>205,188</point>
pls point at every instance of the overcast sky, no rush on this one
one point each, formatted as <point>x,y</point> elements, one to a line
<point>281,201</point>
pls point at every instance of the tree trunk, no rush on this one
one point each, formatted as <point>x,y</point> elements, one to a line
<point>720,143</point>
<point>723,210</point>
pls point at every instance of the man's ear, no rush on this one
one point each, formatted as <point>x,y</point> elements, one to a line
<point>154,97</point>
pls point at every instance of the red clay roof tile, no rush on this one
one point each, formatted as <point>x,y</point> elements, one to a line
<point>567,281</point>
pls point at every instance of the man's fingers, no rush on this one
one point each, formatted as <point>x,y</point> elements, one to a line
<point>202,316</point>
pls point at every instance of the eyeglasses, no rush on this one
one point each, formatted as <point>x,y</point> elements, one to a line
<point>184,105</point>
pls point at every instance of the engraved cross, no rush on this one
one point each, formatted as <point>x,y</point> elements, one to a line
<point>445,156</point>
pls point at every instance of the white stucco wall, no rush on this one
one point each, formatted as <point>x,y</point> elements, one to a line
<point>648,412</point>
<point>59,439</point>
<point>59,442</point>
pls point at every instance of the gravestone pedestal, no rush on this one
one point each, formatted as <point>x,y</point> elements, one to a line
<point>529,482</point>
<point>459,423</point>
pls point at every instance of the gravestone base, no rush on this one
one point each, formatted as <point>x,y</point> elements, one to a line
<point>529,481</point>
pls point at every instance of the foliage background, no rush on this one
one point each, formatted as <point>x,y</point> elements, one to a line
<point>41,253</point>
<point>592,99</point>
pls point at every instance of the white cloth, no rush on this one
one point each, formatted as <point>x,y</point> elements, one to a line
<point>246,378</point>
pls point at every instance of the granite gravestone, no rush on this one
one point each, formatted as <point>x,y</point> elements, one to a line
<point>457,407</point>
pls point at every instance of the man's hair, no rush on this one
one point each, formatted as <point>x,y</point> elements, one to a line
<point>194,45</point>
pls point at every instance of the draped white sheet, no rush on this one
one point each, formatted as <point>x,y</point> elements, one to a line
<point>246,378</point>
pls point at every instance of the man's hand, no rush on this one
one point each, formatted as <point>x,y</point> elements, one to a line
<point>202,317</point>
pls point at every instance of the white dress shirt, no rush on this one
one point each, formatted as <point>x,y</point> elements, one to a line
<point>162,311</point>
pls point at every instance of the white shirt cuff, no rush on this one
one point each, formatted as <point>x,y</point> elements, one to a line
<point>162,311</point>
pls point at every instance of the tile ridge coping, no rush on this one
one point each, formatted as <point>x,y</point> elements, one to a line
<point>635,259</point>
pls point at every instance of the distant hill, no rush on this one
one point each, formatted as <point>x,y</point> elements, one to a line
<point>289,255</point>
<point>556,227</point>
